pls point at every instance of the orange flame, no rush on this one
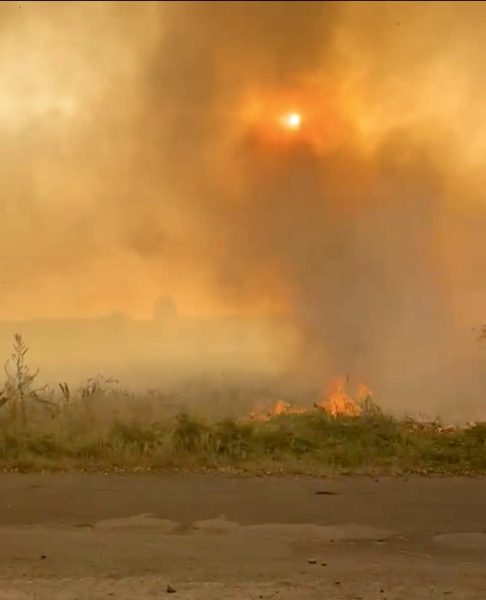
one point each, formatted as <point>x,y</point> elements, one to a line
<point>284,408</point>
<point>336,402</point>
<point>279,408</point>
<point>363,392</point>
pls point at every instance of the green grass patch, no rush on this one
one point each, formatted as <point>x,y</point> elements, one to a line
<point>306,443</point>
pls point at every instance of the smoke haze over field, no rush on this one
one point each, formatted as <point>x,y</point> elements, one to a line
<point>142,157</point>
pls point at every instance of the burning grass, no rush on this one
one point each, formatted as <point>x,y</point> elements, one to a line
<point>100,427</point>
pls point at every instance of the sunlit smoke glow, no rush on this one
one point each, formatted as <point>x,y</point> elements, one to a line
<point>292,121</point>
<point>318,166</point>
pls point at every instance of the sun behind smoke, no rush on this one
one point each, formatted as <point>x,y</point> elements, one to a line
<point>292,121</point>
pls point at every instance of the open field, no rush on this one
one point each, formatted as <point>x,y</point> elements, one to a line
<point>93,536</point>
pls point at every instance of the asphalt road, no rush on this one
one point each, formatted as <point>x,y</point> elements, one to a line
<point>80,537</point>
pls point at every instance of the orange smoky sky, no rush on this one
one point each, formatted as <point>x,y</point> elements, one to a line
<point>145,155</point>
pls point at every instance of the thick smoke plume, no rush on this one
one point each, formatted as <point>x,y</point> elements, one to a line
<point>142,158</point>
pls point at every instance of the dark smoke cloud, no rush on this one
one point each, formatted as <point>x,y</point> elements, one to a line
<point>139,164</point>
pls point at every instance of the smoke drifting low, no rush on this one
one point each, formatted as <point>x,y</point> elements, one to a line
<point>143,158</point>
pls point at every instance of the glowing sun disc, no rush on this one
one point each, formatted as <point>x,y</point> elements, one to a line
<point>292,120</point>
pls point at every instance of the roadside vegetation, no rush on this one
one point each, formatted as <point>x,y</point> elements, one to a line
<point>101,427</point>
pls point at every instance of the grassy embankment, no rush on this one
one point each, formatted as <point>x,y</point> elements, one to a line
<point>99,428</point>
<point>309,443</point>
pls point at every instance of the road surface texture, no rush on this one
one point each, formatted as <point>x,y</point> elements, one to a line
<point>74,536</point>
